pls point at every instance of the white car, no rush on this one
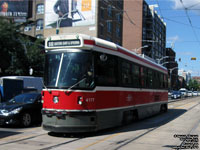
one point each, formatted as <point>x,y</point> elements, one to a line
<point>195,93</point>
<point>189,93</point>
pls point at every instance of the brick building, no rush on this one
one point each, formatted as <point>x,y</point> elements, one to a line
<point>132,24</point>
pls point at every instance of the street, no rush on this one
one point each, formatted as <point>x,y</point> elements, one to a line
<point>179,128</point>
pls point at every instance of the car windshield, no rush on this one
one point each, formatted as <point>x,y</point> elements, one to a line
<point>176,92</point>
<point>24,98</point>
<point>64,70</point>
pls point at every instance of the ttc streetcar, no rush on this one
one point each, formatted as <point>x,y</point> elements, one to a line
<point>92,84</point>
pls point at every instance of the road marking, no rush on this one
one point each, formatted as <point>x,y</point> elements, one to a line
<point>99,141</point>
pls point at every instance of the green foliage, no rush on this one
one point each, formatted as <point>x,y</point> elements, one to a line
<point>19,52</point>
<point>193,85</point>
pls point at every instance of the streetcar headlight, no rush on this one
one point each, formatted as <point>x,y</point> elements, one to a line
<point>80,100</point>
<point>55,99</point>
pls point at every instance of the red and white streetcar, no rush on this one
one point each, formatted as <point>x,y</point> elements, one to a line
<point>92,84</point>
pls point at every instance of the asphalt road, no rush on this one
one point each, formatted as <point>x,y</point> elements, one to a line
<point>179,128</point>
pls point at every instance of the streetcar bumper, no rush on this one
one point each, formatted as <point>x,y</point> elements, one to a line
<point>69,129</point>
<point>70,123</point>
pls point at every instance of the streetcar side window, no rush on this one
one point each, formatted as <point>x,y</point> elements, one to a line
<point>126,73</point>
<point>165,81</point>
<point>105,70</point>
<point>143,76</point>
<point>161,80</point>
<point>150,78</point>
<point>156,80</point>
<point>136,75</point>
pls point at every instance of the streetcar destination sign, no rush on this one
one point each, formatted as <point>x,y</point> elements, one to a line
<point>63,43</point>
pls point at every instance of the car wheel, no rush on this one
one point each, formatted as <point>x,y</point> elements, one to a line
<point>26,120</point>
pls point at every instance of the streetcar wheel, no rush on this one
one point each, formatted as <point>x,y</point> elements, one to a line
<point>163,108</point>
<point>129,117</point>
<point>26,120</point>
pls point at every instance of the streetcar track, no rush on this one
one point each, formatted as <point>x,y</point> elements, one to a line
<point>111,136</point>
<point>182,104</point>
<point>141,135</point>
<point>60,144</point>
<point>24,139</point>
<point>150,130</point>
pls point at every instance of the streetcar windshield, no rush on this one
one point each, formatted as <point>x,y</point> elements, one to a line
<point>64,70</point>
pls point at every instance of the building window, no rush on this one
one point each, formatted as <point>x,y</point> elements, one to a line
<point>119,17</point>
<point>40,9</point>
<point>102,13</point>
<point>101,29</point>
<point>109,26</point>
<point>120,4</point>
<point>39,36</point>
<point>108,39</point>
<point>110,11</point>
<point>28,28</point>
<point>39,25</point>
<point>118,33</point>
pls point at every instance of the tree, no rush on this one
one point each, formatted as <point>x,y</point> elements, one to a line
<point>193,85</point>
<point>19,52</point>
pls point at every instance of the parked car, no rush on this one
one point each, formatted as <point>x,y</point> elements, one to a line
<point>195,93</point>
<point>176,94</point>
<point>189,94</point>
<point>183,92</point>
<point>169,93</point>
<point>23,109</point>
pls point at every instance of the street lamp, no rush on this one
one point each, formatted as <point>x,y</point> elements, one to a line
<point>30,71</point>
<point>170,74</point>
<point>168,62</point>
<point>159,60</point>
<point>136,49</point>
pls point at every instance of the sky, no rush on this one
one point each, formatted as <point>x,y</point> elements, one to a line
<point>182,18</point>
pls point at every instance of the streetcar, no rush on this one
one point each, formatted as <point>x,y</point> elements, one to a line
<point>93,84</point>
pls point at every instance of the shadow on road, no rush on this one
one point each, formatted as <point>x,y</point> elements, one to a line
<point>4,134</point>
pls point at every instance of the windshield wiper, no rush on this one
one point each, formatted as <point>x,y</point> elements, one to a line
<point>76,83</point>
<point>46,88</point>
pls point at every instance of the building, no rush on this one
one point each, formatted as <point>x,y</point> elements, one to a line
<point>101,18</point>
<point>98,18</point>
<point>35,27</point>
<point>172,67</point>
<point>186,75</point>
<point>132,24</point>
<point>153,33</point>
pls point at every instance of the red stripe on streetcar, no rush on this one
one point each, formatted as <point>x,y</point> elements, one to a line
<point>89,42</point>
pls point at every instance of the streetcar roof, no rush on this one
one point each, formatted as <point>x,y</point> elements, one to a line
<point>83,41</point>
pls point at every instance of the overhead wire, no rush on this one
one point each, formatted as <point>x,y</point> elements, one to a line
<point>190,21</point>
